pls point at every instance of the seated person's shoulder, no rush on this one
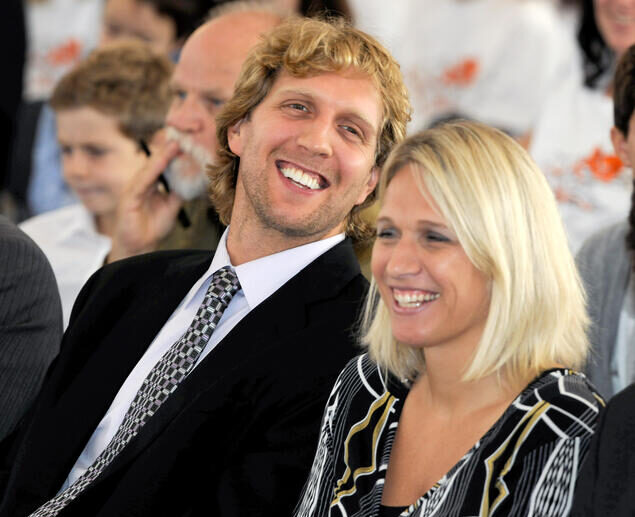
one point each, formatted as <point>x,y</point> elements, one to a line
<point>569,396</point>
<point>602,244</point>
<point>16,243</point>
<point>620,409</point>
<point>139,267</point>
<point>363,377</point>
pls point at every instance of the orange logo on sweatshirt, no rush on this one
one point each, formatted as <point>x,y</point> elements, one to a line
<point>603,166</point>
<point>66,53</point>
<point>461,74</point>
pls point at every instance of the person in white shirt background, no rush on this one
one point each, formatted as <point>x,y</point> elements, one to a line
<point>571,139</point>
<point>495,61</point>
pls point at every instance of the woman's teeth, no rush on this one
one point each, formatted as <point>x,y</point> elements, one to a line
<point>413,298</point>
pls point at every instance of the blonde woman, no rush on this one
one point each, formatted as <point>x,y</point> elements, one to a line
<point>466,402</point>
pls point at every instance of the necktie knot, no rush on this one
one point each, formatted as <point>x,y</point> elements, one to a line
<point>224,284</point>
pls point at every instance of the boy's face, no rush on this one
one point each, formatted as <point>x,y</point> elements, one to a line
<point>625,145</point>
<point>139,20</point>
<point>97,159</point>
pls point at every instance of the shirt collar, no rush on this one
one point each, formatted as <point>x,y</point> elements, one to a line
<point>82,221</point>
<point>279,267</point>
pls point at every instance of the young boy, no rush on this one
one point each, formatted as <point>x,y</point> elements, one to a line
<point>105,107</point>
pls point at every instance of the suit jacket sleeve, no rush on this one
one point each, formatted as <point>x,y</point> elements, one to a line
<point>30,323</point>
<point>605,484</point>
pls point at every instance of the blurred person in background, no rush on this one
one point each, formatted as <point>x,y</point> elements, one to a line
<point>571,140</point>
<point>490,60</point>
<point>13,30</point>
<point>30,323</point>
<point>202,82</point>
<point>36,182</point>
<point>606,259</point>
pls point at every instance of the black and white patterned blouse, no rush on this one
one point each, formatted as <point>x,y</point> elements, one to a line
<point>525,465</point>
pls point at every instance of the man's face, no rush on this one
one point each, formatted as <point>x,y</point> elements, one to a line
<point>202,82</point>
<point>138,20</point>
<point>307,154</point>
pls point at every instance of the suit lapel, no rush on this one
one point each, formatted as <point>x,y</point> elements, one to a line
<point>282,314</point>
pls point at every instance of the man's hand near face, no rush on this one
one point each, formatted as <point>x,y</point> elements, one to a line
<point>146,212</point>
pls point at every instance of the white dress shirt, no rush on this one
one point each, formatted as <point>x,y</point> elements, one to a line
<point>259,279</point>
<point>69,239</point>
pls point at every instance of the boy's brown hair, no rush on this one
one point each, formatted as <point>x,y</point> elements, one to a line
<point>125,80</point>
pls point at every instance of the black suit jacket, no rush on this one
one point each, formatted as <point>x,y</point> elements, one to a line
<point>606,485</point>
<point>238,435</point>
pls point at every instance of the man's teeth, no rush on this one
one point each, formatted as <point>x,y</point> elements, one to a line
<point>300,177</point>
<point>414,299</point>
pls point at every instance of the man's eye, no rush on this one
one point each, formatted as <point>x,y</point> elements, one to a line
<point>214,102</point>
<point>66,150</point>
<point>298,106</point>
<point>352,130</point>
<point>178,94</point>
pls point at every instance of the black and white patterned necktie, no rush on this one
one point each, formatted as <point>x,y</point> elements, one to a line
<point>162,380</point>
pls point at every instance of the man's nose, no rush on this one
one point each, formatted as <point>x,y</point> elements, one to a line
<point>315,136</point>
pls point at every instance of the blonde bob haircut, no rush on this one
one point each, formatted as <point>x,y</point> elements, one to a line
<point>305,47</point>
<point>497,201</point>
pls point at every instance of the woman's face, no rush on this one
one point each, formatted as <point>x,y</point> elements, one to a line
<point>433,292</point>
<point>616,21</point>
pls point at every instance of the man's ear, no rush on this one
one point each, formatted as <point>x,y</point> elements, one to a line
<point>235,139</point>
<point>370,185</point>
<point>620,146</point>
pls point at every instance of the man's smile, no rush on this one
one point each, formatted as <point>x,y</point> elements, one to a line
<point>302,177</point>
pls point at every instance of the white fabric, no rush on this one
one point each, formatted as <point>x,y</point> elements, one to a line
<point>622,372</point>
<point>570,142</point>
<point>70,241</point>
<point>259,279</point>
<point>60,33</point>
<point>490,60</point>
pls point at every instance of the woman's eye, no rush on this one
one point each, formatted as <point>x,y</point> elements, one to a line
<point>436,237</point>
<point>385,233</point>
